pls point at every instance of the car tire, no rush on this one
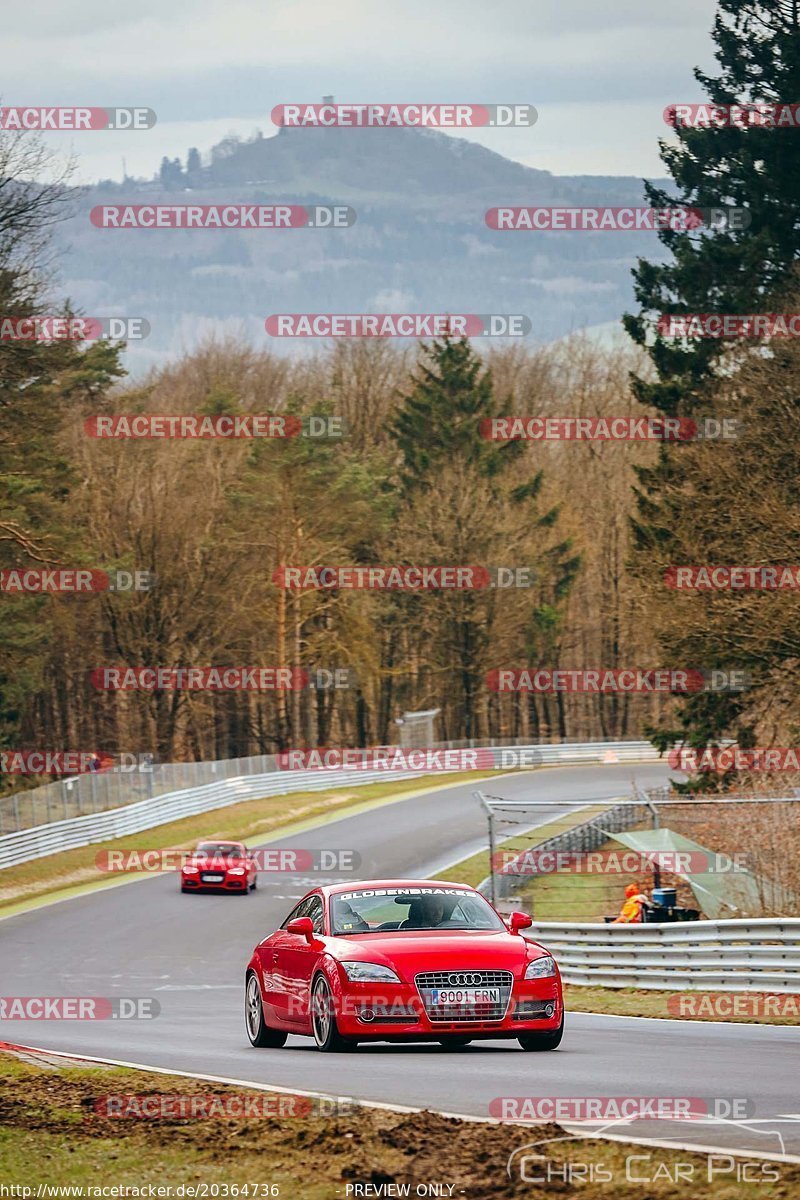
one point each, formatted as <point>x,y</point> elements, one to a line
<point>323,1019</point>
<point>545,1039</point>
<point>455,1042</point>
<point>258,1031</point>
<point>255,883</point>
<point>185,890</point>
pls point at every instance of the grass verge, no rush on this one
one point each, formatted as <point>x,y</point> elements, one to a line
<point>577,895</point>
<point>253,821</point>
<point>741,1007</point>
<point>52,1133</point>
<point>473,870</point>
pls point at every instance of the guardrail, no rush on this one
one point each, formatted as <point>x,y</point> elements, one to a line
<point>92,792</point>
<point>736,955</point>
<point>73,832</point>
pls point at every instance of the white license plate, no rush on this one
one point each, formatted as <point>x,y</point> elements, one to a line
<point>470,996</point>
<point>213,878</point>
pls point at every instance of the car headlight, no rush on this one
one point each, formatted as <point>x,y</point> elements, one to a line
<point>236,870</point>
<point>364,972</point>
<point>190,870</point>
<point>541,968</point>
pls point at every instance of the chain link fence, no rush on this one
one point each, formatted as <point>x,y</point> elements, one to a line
<point>95,792</point>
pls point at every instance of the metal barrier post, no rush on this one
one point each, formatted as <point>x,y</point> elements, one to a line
<point>490,817</point>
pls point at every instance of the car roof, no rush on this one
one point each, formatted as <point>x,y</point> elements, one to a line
<point>218,842</point>
<point>331,889</point>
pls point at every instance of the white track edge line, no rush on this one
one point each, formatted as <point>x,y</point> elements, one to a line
<point>582,1012</point>
<point>407,1108</point>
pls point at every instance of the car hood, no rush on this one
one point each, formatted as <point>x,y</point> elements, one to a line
<point>437,950</point>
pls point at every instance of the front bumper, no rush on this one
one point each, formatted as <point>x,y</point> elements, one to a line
<point>235,883</point>
<point>387,1012</point>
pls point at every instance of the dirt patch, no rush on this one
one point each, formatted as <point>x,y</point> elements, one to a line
<point>51,1131</point>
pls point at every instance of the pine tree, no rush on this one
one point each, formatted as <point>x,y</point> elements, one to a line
<point>440,418</point>
<point>464,500</point>
<point>734,271</point>
<point>758,168</point>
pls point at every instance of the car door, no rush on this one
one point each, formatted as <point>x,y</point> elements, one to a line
<point>299,958</point>
<point>273,960</point>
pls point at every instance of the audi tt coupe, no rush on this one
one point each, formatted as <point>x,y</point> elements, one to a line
<point>402,961</point>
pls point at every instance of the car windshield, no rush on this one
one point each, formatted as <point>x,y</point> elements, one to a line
<point>218,850</point>
<point>375,910</point>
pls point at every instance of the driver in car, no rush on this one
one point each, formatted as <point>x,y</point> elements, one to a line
<point>427,912</point>
<point>433,908</point>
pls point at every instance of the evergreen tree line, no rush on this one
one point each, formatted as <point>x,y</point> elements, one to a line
<point>411,481</point>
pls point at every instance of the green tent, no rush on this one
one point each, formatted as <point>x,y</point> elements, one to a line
<point>720,891</point>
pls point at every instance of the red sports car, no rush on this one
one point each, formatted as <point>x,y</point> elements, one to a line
<point>219,867</point>
<point>402,961</point>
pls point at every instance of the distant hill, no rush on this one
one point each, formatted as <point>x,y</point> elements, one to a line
<point>420,243</point>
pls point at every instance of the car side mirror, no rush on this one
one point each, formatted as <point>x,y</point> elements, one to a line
<point>303,926</point>
<point>519,920</point>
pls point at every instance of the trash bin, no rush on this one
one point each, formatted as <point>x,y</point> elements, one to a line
<point>666,897</point>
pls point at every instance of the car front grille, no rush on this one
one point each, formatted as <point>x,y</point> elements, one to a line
<point>427,981</point>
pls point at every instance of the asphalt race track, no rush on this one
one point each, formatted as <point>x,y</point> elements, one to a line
<point>189,952</point>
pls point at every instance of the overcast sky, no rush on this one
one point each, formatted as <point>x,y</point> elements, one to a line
<point>600,72</point>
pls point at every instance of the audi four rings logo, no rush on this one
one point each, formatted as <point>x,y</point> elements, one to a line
<point>470,979</point>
